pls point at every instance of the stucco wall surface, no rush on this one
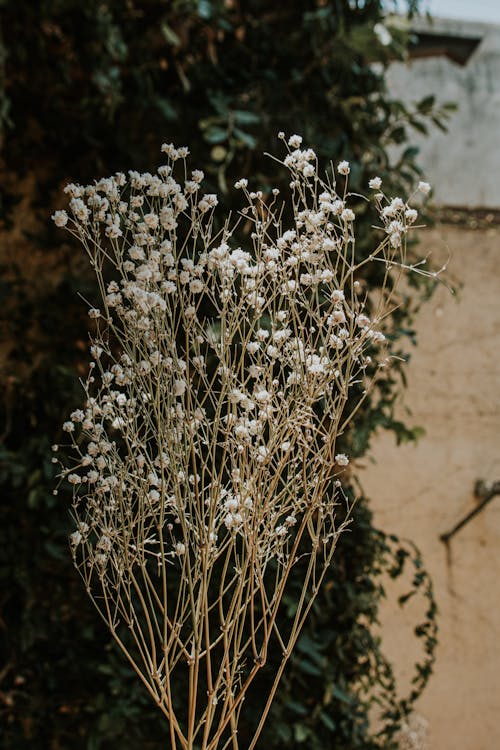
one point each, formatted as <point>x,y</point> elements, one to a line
<point>421,491</point>
<point>463,163</point>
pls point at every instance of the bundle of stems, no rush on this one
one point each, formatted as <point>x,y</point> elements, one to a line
<point>204,462</point>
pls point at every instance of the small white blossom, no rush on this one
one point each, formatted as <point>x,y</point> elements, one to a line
<point>411,215</point>
<point>75,538</point>
<point>347,215</point>
<point>424,187</point>
<point>341,459</point>
<point>337,296</point>
<point>179,387</point>
<point>343,168</point>
<point>60,218</point>
<point>196,286</point>
<point>295,141</point>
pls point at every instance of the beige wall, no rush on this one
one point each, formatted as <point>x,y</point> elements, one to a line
<point>420,491</point>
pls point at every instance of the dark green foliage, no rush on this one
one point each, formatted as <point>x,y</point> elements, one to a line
<point>90,87</point>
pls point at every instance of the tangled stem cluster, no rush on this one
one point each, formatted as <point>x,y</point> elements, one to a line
<point>204,461</point>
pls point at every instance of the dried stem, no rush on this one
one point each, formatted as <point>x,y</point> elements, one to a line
<point>205,466</point>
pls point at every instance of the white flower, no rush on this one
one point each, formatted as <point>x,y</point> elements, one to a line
<point>347,215</point>
<point>337,316</point>
<point>113,231</point>
<point>179,387</point>
<point>96,351</point>
<point>343,168</point>
<point>231,504</point>
<point>79,209</point>
<point>327,275</point>
<point>411,215</point>
<point>395,239</point>
<point>424,187</point>
<point>329,245</point>
<point>341,459</point>
<point>263,396</point>
<point>375,183</point>
<point>196,286</point>
<point>168,287</point>
<point>377,337</point>
<point>151,220</point>
<point>207,202</point>
<point>395,226</point>
<point>294,141</point>
<point>68,427</point>
<point>241,184</point>
<point>397,204</point>
<point>104,544</point>
<point>92,448</point>
<point>60,218</point>
<point>75,538</point>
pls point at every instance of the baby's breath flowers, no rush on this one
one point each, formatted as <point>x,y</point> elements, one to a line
<point>204,462</point>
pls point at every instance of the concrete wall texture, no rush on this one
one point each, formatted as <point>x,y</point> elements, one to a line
<point>420,491</point>
<point>462,164</point>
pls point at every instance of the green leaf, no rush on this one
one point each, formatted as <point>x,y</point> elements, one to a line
<point>426,104</point>
<point>301,732</point>
<point>327,721</point>
<point>308,668</point>
<point>297,708</point>
<point>170,35</point>
<point>341,695</point>
<point>166,108</point>
<point>243,117</point>
<point>205,9</point>
<point>246,138</point>
<point>214,134</point>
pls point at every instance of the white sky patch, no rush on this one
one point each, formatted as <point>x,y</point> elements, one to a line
<point>486,11</point>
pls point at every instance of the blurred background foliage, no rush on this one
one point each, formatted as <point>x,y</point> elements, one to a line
<point>89,88</point>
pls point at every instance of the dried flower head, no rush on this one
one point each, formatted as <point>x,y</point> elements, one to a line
<point>204,460</point>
